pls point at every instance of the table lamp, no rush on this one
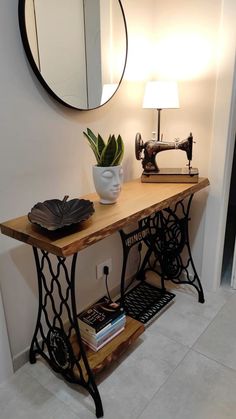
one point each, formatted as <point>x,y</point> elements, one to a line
<point>161,95</point>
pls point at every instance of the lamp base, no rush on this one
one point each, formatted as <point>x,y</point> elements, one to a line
<point>171,175</point>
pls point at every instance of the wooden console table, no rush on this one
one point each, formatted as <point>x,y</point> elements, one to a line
<point>161,212</point>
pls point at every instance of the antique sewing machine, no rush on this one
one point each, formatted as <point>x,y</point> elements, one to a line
<point>147,151</point>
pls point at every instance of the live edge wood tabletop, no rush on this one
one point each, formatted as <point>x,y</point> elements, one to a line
<point>136,201</point>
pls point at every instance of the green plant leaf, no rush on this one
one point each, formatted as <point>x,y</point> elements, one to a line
<point>120,151</point>
<point>93,147</point>
<point>109,138</point>
<point>100,144</point>
<point>92,136</point>
<point>106,154</point>
<point>109,152</point>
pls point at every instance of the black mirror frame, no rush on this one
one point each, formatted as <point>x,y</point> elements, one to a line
<point>23,32</point>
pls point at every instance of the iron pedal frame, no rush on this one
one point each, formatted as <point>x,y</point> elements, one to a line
<point>166,236</point>
<point>144,302</point>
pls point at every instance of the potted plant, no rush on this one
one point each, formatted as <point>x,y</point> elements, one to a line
<point>108,172</point>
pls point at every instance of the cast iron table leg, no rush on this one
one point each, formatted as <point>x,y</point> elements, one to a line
<point>168,247</point>
<point>57,323</point>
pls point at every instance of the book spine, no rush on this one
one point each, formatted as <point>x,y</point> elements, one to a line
<point>96,348</point>
<point>105,331</point>
<point>98,340</point>
<point>113,326</point>
<point>101,313</point>
<point>91,330</point>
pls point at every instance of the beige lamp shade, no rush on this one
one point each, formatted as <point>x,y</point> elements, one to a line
<point>161,95</point>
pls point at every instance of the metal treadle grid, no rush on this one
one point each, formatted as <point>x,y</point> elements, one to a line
<point>144,302</point>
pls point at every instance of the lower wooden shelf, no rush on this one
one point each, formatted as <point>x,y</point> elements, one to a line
<point>112,350</point>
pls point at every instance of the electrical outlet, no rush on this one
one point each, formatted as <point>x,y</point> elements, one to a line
<point>100,267</point>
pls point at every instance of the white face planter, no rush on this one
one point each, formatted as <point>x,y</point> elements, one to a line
<point>107,182</point>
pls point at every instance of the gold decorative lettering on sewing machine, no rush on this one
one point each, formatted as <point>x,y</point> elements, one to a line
<point>147,151</point>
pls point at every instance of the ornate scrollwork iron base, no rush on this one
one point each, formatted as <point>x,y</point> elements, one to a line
<point>57,323</point>
<point>168,253</point>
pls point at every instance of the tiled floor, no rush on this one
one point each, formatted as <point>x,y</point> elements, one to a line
<point>183,367</point>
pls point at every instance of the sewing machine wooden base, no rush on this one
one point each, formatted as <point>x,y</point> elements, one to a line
<point>171,175</point>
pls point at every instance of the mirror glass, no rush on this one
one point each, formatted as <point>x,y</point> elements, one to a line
<point>77,48</point>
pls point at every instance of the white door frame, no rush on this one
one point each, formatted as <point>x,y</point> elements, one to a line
<point>229,160</point>
<point>233,133</point>
<point>221,157</point>
<point>233,275</point>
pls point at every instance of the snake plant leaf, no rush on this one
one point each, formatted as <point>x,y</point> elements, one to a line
<point>92,135</point>
<point>106,154</point>
<point>100,144</point>
<point>120,152</point>
<point>110,137</point>
<point>109,152</point>
<point>93,147</point>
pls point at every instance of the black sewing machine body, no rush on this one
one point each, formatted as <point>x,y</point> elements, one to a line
<point>147,151</point>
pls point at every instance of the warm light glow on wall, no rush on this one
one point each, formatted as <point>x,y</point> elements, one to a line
<point>138,63</point>
<point>183,56</point>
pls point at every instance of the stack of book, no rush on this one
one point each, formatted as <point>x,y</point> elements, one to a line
<point>101,322</point>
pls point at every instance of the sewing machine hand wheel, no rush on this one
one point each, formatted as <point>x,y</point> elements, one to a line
<point>138,146</point>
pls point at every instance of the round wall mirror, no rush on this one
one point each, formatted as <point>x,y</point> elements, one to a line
<point>77,48</point>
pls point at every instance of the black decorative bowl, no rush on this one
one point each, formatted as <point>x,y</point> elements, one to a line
<point>54,213</point>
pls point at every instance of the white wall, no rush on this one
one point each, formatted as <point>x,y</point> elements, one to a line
<point>5,355</point>
<point>185,48</point>
<point>44,155</point>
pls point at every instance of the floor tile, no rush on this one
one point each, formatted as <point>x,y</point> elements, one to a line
<point>75,397</point>
<point>140,375</point>
<point>199,388</point>
<point>40,371</point>
<point>219,340</point>
<point>161,376</point>
<point>23,397</point>
<point>127,387</point>
<point>187,319</point>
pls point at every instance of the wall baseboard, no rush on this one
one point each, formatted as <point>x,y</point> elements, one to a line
<point>20,359</point>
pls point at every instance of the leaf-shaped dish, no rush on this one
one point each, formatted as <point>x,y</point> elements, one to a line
<point>55,213</point>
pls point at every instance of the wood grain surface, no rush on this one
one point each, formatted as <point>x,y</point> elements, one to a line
<point>136,201</point>
<point>100,360</point>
